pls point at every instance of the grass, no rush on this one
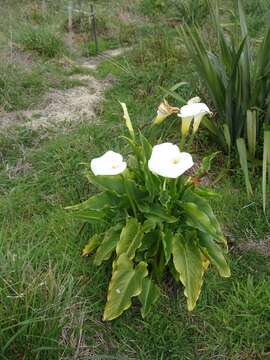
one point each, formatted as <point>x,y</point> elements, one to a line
<point>41,40</point>
<point>52,299</point>
<point>24,88</point>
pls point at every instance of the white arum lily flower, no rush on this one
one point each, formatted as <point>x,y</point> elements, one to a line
<point>111,163</point>
<point>167,161</point>
<point>164,110</point>
<point>193,110</point>
<point>194,100</point>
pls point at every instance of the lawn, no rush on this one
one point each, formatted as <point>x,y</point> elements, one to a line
<point>51,298</point>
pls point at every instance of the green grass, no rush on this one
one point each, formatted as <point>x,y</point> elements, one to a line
<point>24,88</point>
<point>41,40</point>
<point>52,299</point>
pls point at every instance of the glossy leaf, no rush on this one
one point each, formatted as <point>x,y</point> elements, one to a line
<point>108,244</point>
<point>130,238</point>
<point>149,295</point>
<point>90,215</point>
<point>199,220</point>
<point>214,253</point>
<point>187,259</point>
<point>204,206</point>
<point>111,183</point>
<point>126,282</point>
<point>96,202</point>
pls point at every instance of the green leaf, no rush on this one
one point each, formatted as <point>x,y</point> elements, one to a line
<point>173,88</point>
<point>125,283</point>
<point>96,202</point>
<point>152,182</point>
<point>202,192</point>
<point>130,238</point>
<point>214,253</point>
<point>174,94</point>
<point>206,164</point>
<point>92,244</point>
<point>111,183</point>
<point>204,206</point>
<point>90,215</point>
<point>149,225</point>
<point>266,166</point>
<point>147,148</point>
<point>157,213</point>
<point>251,132</point>
<point>128,121</point>
<point>242,151</point>
<point>149,295</point>
<point>167,242</point>
<point>116,185</point>
<point>227,136</point>
<point>108,244</point>
<point>187,259</point>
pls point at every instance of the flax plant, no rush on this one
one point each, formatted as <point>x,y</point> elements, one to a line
<point>237,79</point>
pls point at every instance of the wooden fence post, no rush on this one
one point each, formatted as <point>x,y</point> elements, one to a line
<point>94,26</point>
<point>70,9</point>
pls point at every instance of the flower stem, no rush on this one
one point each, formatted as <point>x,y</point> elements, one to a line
<point>129,196</point>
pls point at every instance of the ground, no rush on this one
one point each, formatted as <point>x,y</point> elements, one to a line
<point>51,298</point>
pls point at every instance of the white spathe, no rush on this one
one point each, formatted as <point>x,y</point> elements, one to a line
<point>194,100</point>
<point>195,110</point>
<point>166,160</point>
<point>111,163</point>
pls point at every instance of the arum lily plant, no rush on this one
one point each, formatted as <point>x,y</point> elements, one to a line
<point>191,115</point>
<point>155,223</point>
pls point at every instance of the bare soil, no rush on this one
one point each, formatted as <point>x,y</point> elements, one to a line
<point>62,107</point>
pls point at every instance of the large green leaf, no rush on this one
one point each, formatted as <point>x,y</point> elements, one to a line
<point>117,185</point>
<point>187,259</point>
<point>214,253</point>
<point>149,295</point>
<point>130,238</point>
<point>96,202</point>
<point>94,216</point>
<point>125,283</point>
<point>108,244</point>
<point>111,183</point>
<point>198,219</point>
<point>204,206</point>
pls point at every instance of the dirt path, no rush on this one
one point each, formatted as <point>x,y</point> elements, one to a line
<point>61,108</point>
